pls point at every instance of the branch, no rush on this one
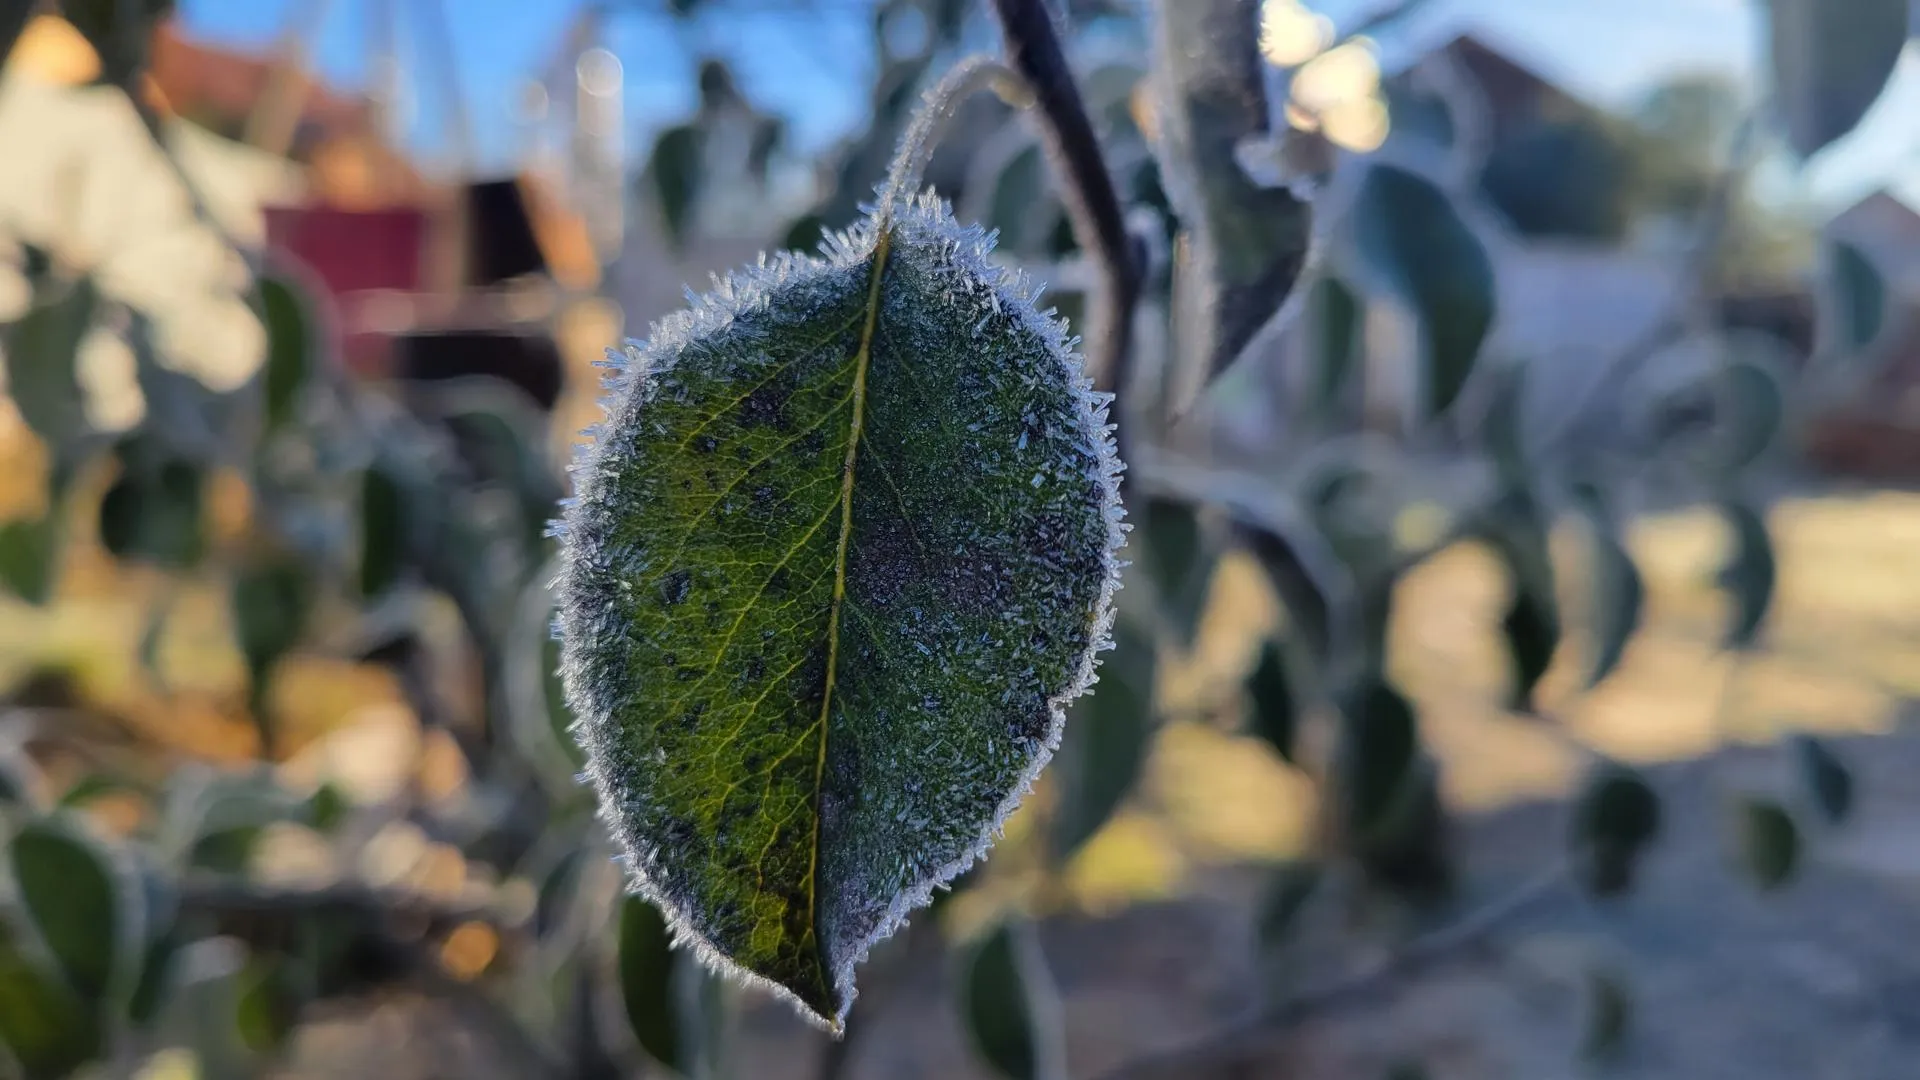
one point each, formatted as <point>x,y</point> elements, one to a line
<point>1189,1058</point>
<point>1093,206</point>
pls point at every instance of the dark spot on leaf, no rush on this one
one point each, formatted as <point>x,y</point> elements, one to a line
<point>691,718</point>
<point>675,586</point>
<point>706,444</point>
<point>766,406</point>
<point>755,670</point>
<point>670,659</point>
<point>814,443</point>
<point>686,674</point>
<point>779,582</point>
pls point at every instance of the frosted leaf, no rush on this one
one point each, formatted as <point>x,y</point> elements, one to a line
<point>839,558</point>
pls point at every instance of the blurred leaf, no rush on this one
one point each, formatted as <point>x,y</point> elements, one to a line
<point>1414,240</point>
<point>1287,893</point>
<point>1020,188</point>
<point>30,557</point>
<point>382,532</point>
<point>1831,59</point>
<point>1752,406</point>
<point>268,1006</point>
<point>677,169</point>
<point>155,976</point>
<point>1615,817</point>
<point>1617,594</point>
<point>646,982</point>
<point>226,851</point>
<point>327,807</point>
<point>1336,315</point>
<point>1519,536</point>
<point>805,234</point>
<point>1309,610</point>
<point>270,598</point>
<point>152,513</point>
<point>1769,842</point>
<point>77,901</point>
<point>1609,1014</point>
<point>1825,776</point>
<point>1006,1001</point>
<point>1177,556</point>
<point>1860,295</point>
<point>1245,244</point>
<point>1748,575</point>
<point>288,320</point>
<point>43,1025</point>
<point>20,781</point>
<point>42,349</point>
<point>1379,745</point>
<point>121,45</point>
<point>93,786</point>
<point>1276,714</point>
<point>1105,742</point>
<point>1407,1070</point>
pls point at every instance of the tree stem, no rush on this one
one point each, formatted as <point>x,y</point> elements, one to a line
<point>1092,203</point>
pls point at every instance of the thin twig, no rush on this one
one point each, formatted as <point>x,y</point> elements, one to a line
<point>1185,1059</point>
<point>1092,204</point>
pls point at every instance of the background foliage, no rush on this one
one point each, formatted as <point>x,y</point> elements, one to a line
<point>157,897</point>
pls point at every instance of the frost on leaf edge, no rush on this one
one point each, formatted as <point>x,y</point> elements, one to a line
<point>964,252</point>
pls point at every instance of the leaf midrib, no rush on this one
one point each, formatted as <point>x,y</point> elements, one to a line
<point>862,360</point>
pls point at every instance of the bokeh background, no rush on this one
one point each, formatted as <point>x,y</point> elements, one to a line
<point>302,306</point>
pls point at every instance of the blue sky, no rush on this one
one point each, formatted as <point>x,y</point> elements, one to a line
<point>811,60</point>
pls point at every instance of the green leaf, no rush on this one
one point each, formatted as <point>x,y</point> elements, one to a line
<point>1860,296</point>
<point>1105,743</point>
<point>290,347</point>
<point>270,598</point>
<point>1422,251</point>
<point>30,557</point>
<point>77,901</point>
<point>1175,553</point>
<point>42,349</point>
<point>382,532</point>
<point>1530,625</point>
<point>805,234</point>
<point>1245,243</point>
<point>1287,893</point>
<point>1615,817</point>
<point>1769,842</point>
<point>837,563</point>
<point>1751,406</point>
<point>1748,575</point>
<point>677,170</point>
<point>646,981</point>
<point>1007,1005</point>
<point>152,513</point>
<point>1023,210</point>
<point>268,1007</point>
<point>1379,747</point>
<point>1831,59</point>
<point>44,1026</point>
<point>1276,713</point>
<point>1336,319</point>
<point>1609,1014</point>
<point>1825,776</point>
<point>1617,596</point>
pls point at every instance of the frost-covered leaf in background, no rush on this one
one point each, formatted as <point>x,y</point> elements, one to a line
<point>838,560</point>
<point>1831,60</point>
